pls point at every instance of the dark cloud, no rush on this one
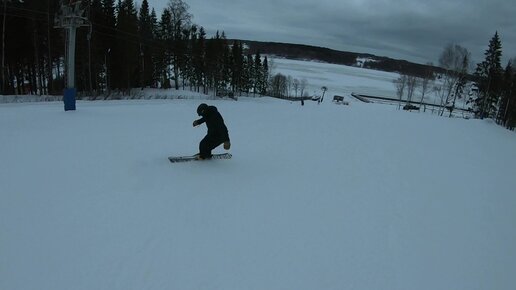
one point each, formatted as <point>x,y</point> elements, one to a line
<point>416,30</point>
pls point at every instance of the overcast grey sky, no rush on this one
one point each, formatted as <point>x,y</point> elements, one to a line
<point>415,30</point>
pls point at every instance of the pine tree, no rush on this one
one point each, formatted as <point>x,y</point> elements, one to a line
<point>226,65</point>
<point>164,55</point>
<point>146,43</point>
<point>199,60</point>
<point>214,62</point>
<point>510,122</point>
<point>127,50</point>
<point>27,41</point>
<point>39,39</point>
<point>257,73</point>
<point>123,49</point>
<point>180,21</point>
<point>248,74</point>
<point>501,118</point>
<point>489,80</point>
<point>189,37</point>
<point>237,62</point>
<point>183,55</point>
<point>155,49</point>
<point>265,76</point>
<point>107,39</point>
<point>96,48</point>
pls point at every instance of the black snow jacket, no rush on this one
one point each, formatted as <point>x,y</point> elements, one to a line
<point>215,123</point>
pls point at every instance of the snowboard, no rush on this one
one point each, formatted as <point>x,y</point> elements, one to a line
<point>175,159</point>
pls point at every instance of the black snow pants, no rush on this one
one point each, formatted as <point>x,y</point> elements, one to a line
<point>209,143</point>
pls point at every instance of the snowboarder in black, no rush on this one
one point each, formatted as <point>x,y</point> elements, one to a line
<point>217,130</point>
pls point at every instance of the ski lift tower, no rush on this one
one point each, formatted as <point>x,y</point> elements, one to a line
<point>70,17</point>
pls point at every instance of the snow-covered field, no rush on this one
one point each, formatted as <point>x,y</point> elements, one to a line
<point>339,79</point>
<point>343,80</point>
<point>316,197</point>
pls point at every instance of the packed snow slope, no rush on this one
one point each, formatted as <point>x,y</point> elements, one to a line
<point>315,197</point>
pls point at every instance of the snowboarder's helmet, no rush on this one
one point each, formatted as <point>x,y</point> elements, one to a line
<point>201,108</point>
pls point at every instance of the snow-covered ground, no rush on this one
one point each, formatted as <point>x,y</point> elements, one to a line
<point>343,80</point>
<point>339,79</point>
<point>315,197</point>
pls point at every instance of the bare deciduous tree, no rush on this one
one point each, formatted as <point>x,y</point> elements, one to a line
<point>411,87</point>
<point>295,85</point>
<point>400,83</point>
<point>424,83</point>
<point>278,85</point>
<point>302,87</point>
<point>289,85</point>
<point>455,60</point>
<point>180,19</point>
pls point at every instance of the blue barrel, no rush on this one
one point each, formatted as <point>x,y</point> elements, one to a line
<point>69,99</point>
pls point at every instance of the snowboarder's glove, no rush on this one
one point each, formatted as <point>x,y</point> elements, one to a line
<point>227,145</point>
<point>195,123</point>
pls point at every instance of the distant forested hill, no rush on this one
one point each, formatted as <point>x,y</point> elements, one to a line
<point>307,52</point>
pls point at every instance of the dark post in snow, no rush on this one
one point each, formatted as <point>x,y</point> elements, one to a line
<point>70,18</point>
